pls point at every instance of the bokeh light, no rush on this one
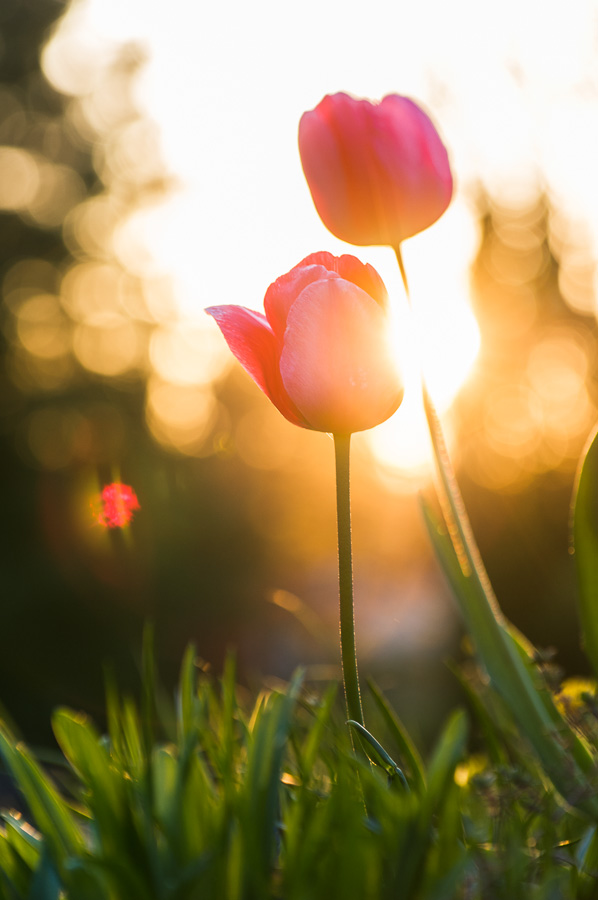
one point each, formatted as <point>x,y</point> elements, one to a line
<point>149,169</point>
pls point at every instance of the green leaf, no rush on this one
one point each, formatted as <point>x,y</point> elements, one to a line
<point>90,758</point>
<point>585,547</point>
<point>149,713</point>
<point>401,737</point>
<point>496,748</point>
<point>565,758</point>
<point>380,757</point>
<point>447,754</point>
<point>26,841</point>
<point>83,748</point>
<point>187,697</point>
<point>46,883</point>
<point>270,732</point>
<point>49,810</point>
<point>314,736</point>
<point>15,873</point>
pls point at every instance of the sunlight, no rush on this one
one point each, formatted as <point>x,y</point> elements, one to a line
<point>440,330</point>
<point>234,211</point>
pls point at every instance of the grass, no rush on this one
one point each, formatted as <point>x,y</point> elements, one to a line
<point>215,798</point>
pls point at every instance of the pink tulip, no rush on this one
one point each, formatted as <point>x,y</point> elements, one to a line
<point>321,352</point>
<point>378,172</point>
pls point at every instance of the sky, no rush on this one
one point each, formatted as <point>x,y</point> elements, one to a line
<point>512,88</point>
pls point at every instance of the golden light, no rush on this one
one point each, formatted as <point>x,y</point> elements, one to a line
<point>110,347</point>
<point>439,336</point>
<point>180,416</point>
<point>19,178</point>
<point>176,110</point>
<point>187,353</point>
<point>42,327</point>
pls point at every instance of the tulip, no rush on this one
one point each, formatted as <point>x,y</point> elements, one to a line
<point>321,352</point>
<point>378,172</point>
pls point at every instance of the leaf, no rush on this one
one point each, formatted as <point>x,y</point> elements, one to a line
<point>148,665</point>
<point>15,874</point>
<point>187,699</point>
<point>565,758</point>
<point>49,810</point>
<point>401,737</point>
<point>271,726</point>
<point>25,840</point>
<point>314,737</point>
<point>447,754</point>
<point>46,883</point>
<point>89,757</point>
<point>380,756</point>
<point>83,748</point>
<point>585,546</point>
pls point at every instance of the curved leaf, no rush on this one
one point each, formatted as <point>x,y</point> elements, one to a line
<point>585,547</point>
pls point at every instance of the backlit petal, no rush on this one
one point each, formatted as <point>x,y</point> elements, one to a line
<point>252,341</point>
<point>336,363</point>
<point>378,172</point>
<point>352,269</point>
<point>282,293</point>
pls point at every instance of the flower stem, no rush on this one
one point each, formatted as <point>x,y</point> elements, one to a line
<point>342,444</point>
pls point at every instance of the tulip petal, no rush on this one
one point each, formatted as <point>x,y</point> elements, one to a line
<point>352,269</point>
<point>336,362</point>
<point>411,152</point>
<point>378,173</point>
<point>281,294</point>
<point>254,344</point>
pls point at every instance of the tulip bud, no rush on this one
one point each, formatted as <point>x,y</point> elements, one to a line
<point>321,352</point>
<point>378,172</point>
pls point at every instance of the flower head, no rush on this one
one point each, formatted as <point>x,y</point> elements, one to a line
<point>115,506</point>
<point>378,172</point>
<point>321,351</point>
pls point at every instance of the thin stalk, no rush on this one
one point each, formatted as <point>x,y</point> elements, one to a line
<point>342,443</point>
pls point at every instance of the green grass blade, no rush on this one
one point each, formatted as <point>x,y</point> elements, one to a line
<point>149,714</point>
<point>46,883</point>
<point>187,696</point>
<point>83,748</point>
<point>15,873</point>
<point>407,749</point>
<point>585,547</point>
<point>270,732</point>
<point>51,813</point>
<point>566,760</point>
<point>313,739</point>
<point>23,838</point>
<point>379,756</point>
<point>449,750</point>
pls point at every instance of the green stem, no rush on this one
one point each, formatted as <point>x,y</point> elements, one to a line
<point>342,443</point>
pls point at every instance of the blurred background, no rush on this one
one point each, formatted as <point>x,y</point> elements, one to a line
<point>148,169</point>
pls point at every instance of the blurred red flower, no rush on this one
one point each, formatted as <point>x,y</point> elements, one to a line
<point>321,352</point>
<point>115,506</point>
<point>378,172</point>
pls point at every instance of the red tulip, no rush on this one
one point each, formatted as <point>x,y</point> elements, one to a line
<point>321,352</point>
<point>378,172</point>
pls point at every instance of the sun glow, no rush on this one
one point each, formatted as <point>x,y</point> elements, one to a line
<point>202,116</point>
